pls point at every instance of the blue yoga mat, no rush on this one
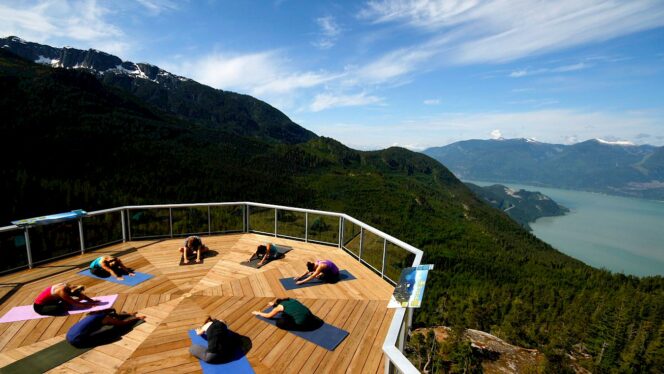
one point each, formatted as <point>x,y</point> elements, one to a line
<point>128,281</point>
<point>326,336</point>
<point>289,283</point>
<point>238,363</point>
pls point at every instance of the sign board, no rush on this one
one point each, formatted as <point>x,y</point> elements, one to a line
<point>409,291</point>
<point>53,218</point>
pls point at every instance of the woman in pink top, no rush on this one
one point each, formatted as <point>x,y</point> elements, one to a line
<point>57,299</point>
<point>324,270</point>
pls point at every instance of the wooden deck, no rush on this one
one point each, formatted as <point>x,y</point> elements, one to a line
<point>179,298</point>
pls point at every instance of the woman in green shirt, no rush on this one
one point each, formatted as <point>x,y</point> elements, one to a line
<point>294,315</point>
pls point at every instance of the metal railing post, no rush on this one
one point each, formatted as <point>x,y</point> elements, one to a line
<point>209,222</point>
<point>80,235</point>
<point>275,222</point>
<point>359,256</point>
<point>27,247</point>
<point>124,229</point>
<point>248,228</point>
<point>341,231</point>
<point>382,270</point>
<point>402,334</point>
<point>306,227</point>
<point>129,224</point>
<point>170,220</point>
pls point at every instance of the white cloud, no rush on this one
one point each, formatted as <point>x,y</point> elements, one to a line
<point>260,73</point>
<point>560,69</point>
<point>500,31</point>
<point>551,126</point>
<point>328,100</point>
<point>431,101</point>
<point>495,134</point>
<point>83,22</point>
<point>329,32</point>
<point>156,7</point>
<point>394,65</point>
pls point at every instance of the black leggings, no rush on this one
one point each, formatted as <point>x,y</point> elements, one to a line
<point>330,278</point>
<point>104,274</point>
<point>286,322</point>
<point>100,272</point>
<point>53,309</point>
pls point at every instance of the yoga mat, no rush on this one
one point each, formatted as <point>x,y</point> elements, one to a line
<point>26,312</point>
<point>53,356</point>
<point>192,261</point>
<point>127,281</point>
<point>45,360</point>
<point>289,283</point>
<point>252,264</point>
<point>238,362</point>
<point>192,258</point>
<point>281,249</point>
<point>326,336</point>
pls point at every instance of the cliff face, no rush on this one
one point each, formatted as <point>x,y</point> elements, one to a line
<point>498,356</point>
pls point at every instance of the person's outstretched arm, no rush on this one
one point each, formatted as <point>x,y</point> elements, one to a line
<point>313,275</point>
<point>109,269</point>
<point>114,321</point>
<point>303,275</point>
<point>85,297</point>
<point>124,268</point>
<point>272,313</point>
<point>69,300</point>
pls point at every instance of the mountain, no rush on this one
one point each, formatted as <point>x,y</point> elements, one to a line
<point>182,97</point>
<point>74,141</point>
<point>594,165</point>
<point>522,206</point>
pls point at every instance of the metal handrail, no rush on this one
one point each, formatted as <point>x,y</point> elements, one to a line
<point>395,337</point>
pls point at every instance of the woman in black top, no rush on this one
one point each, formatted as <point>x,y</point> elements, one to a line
<point>219,341</point>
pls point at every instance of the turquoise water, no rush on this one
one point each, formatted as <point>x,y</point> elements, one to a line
<point>617,233</point>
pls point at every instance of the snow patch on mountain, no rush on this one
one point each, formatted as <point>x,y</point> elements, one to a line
<point>617,142</point>
<point>47,61</point>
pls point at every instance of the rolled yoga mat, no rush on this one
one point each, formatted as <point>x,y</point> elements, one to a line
<point>289,283</point>
<point>237,363</point>
<point>26,312</point>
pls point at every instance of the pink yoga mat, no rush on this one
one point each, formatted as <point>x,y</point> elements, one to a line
<point>26,312</point>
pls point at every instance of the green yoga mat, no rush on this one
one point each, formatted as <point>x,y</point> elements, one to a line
<point>46,359</point>
<point>53,356</point>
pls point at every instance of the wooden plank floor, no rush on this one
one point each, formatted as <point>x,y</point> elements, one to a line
<point>179,298</point>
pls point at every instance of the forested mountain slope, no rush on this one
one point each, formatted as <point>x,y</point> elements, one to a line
<point>75,142</point>
<point>180,96</point>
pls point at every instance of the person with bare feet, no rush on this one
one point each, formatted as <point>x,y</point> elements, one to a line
<point>88,331</point>
<point>105,266</point>
<point>57,299</point>
<point>324,270</point>
<point>221,342</point>
<point>193,245</point>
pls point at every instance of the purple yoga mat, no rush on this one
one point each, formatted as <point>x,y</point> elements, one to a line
<point>25,312</point>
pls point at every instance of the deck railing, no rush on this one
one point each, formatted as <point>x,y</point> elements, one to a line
<point>385,255</point>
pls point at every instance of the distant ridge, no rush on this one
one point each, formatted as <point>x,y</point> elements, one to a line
<point>614,167</point>
<point>183,97</point>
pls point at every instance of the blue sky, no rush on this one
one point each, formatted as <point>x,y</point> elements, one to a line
<point>373,74</point>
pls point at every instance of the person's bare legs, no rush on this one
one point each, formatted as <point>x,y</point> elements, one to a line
<point>120,265</point>
<point>185,255</point>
